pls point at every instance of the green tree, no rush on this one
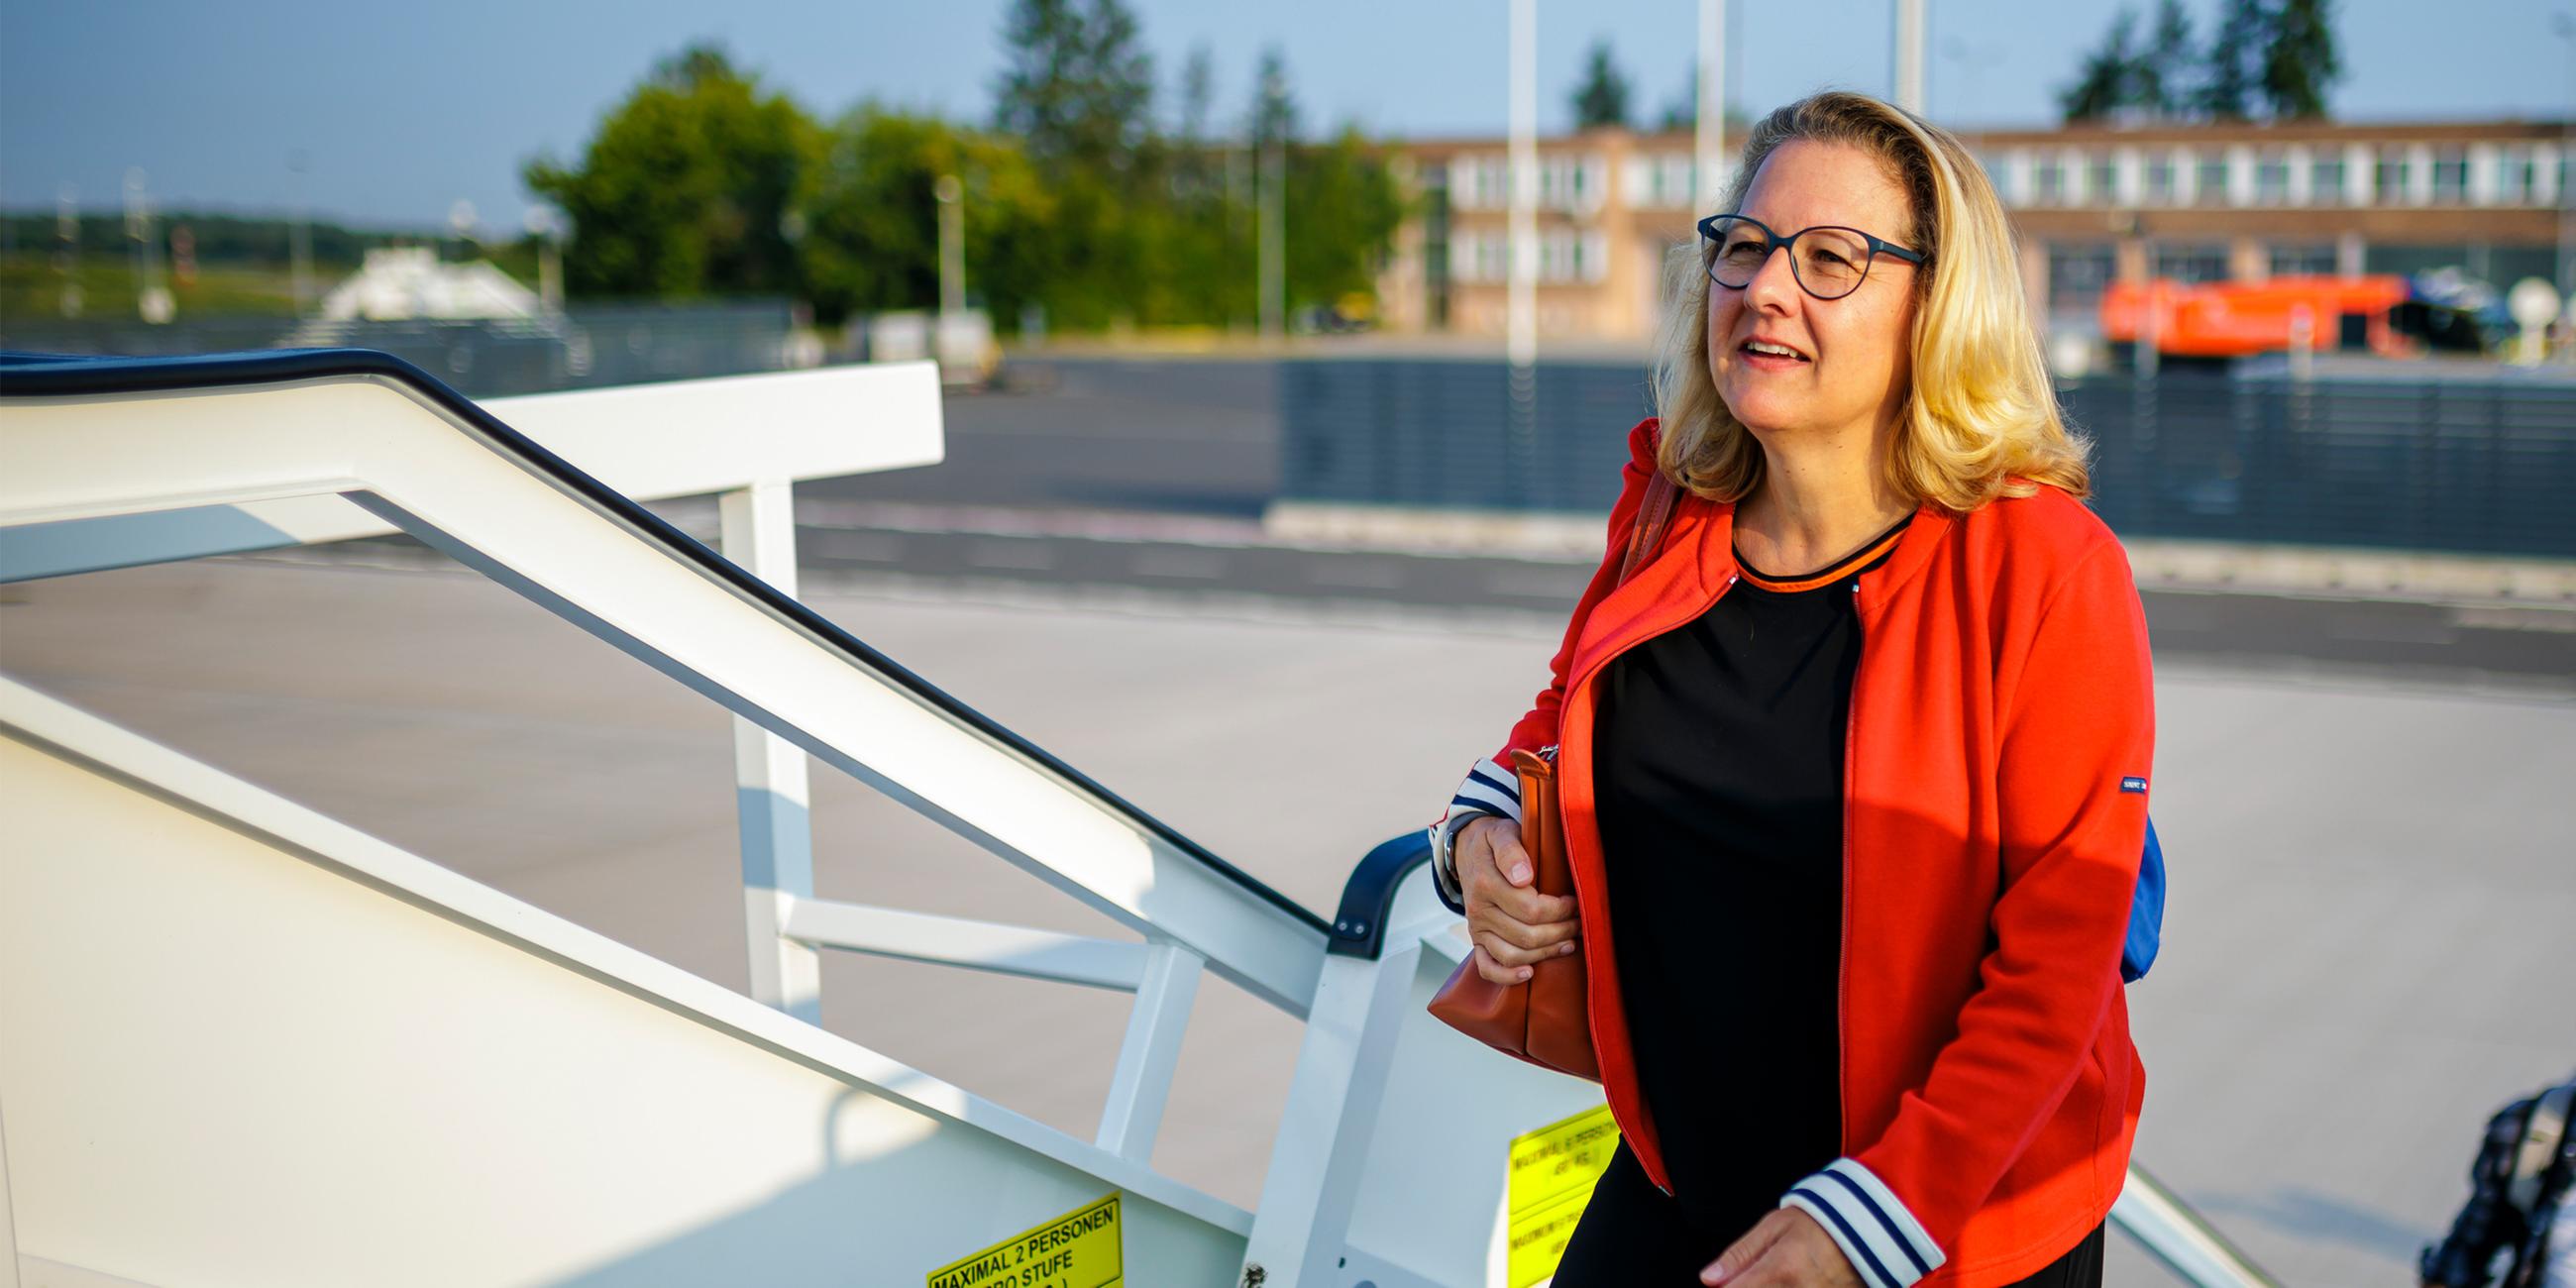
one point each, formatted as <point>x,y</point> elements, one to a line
<point>872,219</point>
<point>1602,98</point>
<point>1274,107</point>
<point>2165,69</point>
<point>1343,208</point>
<point>2108,78</point>
<point>2299,59</point>
<point>1077,90</point>
<point>1078,84</point>
<point>2227,91</point>
<point>686,187</point>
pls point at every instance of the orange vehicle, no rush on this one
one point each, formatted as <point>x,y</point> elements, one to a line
<point>2234,319</point>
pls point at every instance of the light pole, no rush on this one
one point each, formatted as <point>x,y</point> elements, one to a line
<point>151,299</point>
<point>300,233</point>
<point>952,243</point>
<point>1521,306</point>
<point>543,226</point>
<point>1909,55</point>
<point>67,246</point>
<point>1273,214</point>
<point>1712,105</point>
<point>2565,25</point>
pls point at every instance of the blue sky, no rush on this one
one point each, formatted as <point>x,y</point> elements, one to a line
<point>403,109</point>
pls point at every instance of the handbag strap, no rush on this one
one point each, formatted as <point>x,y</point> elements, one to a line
<point>1652,518</point>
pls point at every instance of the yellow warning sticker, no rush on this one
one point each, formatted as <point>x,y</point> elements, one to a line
<point>1077,1250</point>
<point>1553,1170</point>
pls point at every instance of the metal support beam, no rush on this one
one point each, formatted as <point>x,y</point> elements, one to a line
<point>770,788</point>
<point>1304,1216</point>
<point>976,945</point>
<point>1151,1050</point>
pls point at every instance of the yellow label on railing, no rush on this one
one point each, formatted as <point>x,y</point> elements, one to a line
<point>1553,1170</point>
<point>1077,1250</point>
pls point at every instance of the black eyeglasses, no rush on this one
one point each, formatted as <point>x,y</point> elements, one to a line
<point>1828,262</point>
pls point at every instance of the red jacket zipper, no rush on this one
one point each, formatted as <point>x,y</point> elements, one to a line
<point>1842,946</point>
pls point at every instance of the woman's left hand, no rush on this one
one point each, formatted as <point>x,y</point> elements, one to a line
<point>1787,1249</point>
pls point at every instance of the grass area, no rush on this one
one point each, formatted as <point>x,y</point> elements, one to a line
<point>31,289</point>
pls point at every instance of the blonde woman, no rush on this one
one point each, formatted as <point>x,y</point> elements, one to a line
<point>1854,769</point>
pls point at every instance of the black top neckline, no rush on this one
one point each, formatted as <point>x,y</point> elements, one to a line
<point>1871,552</point>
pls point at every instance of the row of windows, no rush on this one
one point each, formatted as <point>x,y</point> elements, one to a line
<point>1564,256</point>
<point>2354,174</point>
<point>1564,183</point>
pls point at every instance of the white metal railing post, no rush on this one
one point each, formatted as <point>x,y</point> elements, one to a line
<point>770,792</point>
<point>1304,1216</point>
<point>1152,1048</point>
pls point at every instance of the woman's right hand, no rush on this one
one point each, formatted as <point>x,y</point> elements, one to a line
<point>1511,924</point>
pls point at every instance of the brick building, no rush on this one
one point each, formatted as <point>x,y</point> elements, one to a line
<point>2092,204</point>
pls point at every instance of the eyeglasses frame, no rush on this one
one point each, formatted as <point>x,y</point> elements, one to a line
<point>1774,241</point>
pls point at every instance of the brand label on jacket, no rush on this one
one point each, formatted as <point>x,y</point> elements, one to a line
<point>2138,785</point>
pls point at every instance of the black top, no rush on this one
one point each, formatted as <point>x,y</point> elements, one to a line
<point>1718,771</point>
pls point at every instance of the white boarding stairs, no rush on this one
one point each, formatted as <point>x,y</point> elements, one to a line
<point>243,1043</point>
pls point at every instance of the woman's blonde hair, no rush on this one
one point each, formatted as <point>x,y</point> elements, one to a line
<point>1981,407</point>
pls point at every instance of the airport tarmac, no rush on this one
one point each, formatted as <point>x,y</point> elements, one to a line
<point>2366,945</point>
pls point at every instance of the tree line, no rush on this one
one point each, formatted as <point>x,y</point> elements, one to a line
<point>2267,58</point>
<point>1076,197</point>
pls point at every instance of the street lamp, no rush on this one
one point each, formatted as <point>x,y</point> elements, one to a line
<point>546,226</point>
<point>2565,26</point>
<point>952,243</point>
<point>300,232</point>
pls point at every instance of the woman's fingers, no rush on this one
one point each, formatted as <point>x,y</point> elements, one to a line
<point>1492,970</point>
<point>1484,848</point>
<point>1535,941</point>
<point>1503,950</point>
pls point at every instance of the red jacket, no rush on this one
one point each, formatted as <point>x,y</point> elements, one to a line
<point>1995,807</point>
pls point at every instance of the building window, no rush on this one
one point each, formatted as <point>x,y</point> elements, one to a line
<point>2192,264</point>
<point>2077,276</point>
<point>2048,180</point>
<point>2210,177</point>
<point>2513,176</point>
<point>2271,177</point>
<point>1998,174</point>
<point>2316,260</point>
<point>2389,187</point>
<point>2160,179</point>
<point>2325,178</point>
<point>2450,175</point>
<point>2101,179</point>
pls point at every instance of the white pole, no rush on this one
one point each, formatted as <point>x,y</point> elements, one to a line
<point>1274,220</point>
<point>2566,28</point>
<point>1711,184</point>
<point>952,243</point>
<point>758,531</point>
<point>1522,341</point>
<point>1909,55</point>
<point>299,241</point>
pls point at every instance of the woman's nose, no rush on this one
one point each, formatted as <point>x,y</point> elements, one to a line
<point>1774,287</point>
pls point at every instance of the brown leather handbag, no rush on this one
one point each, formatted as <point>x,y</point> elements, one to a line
<point>1545,1019</point>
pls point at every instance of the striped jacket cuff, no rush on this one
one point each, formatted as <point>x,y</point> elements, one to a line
<point>1488,789</point>
<point>1867,1221</point>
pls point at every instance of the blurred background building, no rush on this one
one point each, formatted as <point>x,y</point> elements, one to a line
<point>2093,204</point>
